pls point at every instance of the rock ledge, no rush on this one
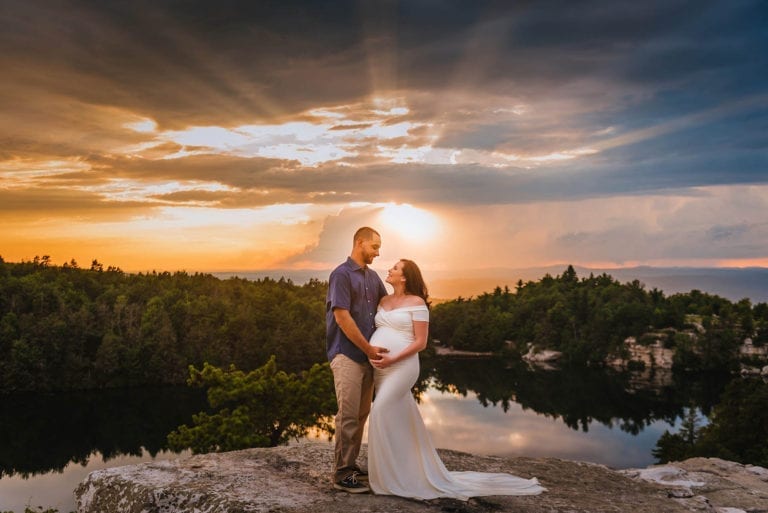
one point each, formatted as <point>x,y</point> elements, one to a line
<point>295,479</point>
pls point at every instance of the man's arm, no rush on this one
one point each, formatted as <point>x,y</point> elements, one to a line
<point>349,327</point>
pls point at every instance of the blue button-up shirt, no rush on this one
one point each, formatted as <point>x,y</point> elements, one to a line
<point>357,289</point>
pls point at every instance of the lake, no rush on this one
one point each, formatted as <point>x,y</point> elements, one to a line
<point>50,442</point>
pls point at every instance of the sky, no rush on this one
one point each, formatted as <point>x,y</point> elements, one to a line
<point>238,135</point>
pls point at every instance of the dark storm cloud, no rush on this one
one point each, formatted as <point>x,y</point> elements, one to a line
<point>581,68</point>
<point>246,173</point>
<point>539,43</point>
<point>259,182</point>
<point>188,60</point>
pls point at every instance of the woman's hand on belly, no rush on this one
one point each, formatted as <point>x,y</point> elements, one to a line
<point>384,360</point>
<point>377,352</point>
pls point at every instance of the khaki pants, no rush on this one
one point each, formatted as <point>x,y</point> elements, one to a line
<point>354,392</point>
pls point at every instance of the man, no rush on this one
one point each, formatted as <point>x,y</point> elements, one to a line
<point>354,291</point>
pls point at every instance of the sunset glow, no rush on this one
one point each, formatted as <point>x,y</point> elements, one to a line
<point>412,223</point>
<point>497,138</point>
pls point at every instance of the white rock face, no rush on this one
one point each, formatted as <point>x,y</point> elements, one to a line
<point>295,479</point>
<point>653,356</point>
<point>748,349</point>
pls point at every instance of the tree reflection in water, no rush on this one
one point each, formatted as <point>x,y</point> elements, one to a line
<point>578,396</point>
<point>41,433</point>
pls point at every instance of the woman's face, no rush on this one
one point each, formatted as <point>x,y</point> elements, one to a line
<point>395,274</point>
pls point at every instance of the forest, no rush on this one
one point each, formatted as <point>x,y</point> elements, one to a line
<point>589,319</point>
<point>68,328</point>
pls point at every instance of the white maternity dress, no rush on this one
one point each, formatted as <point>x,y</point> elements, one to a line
<point>401,457</point>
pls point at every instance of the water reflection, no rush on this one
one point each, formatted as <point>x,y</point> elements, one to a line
<point>507,406</point>
<point>483,406</point>
<point>579,397</point>
<point>41,433</point>
<point>463,423</point>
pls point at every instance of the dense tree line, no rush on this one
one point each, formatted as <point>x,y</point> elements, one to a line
<point>66,327</point>
<point>589,319</point>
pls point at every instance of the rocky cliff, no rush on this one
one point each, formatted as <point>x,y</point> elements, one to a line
<point>295,479</point>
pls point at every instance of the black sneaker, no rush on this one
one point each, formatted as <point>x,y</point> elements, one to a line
<point>351,484</point>
<point>362,475</point>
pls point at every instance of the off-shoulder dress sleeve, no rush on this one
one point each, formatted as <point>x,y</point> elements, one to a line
<point>420,313</point>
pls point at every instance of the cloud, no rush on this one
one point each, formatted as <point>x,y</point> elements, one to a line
<point>190,64</point>
<point>494,110</point>
<point>199,65</point>
<point>334,242</point>
<point>654,229</point>
<point>229,181</point>
<point>575,73</point>
<point>44,204</point>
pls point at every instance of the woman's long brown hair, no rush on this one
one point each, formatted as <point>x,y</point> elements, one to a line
<point>414,282</point>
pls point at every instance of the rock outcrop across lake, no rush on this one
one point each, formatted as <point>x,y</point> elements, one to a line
<point>295,479</point>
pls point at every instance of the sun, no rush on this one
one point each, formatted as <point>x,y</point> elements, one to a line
<point>408,221</point>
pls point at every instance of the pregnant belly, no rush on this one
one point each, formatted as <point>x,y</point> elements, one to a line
<point>391,339</point>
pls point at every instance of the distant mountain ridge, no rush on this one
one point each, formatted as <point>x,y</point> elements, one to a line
<point>731,283</point>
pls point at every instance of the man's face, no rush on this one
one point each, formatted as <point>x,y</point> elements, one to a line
<point>370,249</point>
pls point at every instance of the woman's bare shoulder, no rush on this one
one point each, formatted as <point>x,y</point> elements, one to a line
<point>415,301</point>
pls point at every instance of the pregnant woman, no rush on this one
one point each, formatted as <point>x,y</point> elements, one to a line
<point>401,458</point>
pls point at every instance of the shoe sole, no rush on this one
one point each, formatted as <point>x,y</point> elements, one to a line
<point>352,490</point>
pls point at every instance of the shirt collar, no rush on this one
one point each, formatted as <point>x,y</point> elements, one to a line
<point>354,265</point>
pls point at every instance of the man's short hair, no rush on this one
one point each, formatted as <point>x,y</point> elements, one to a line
<point>364,233</point>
